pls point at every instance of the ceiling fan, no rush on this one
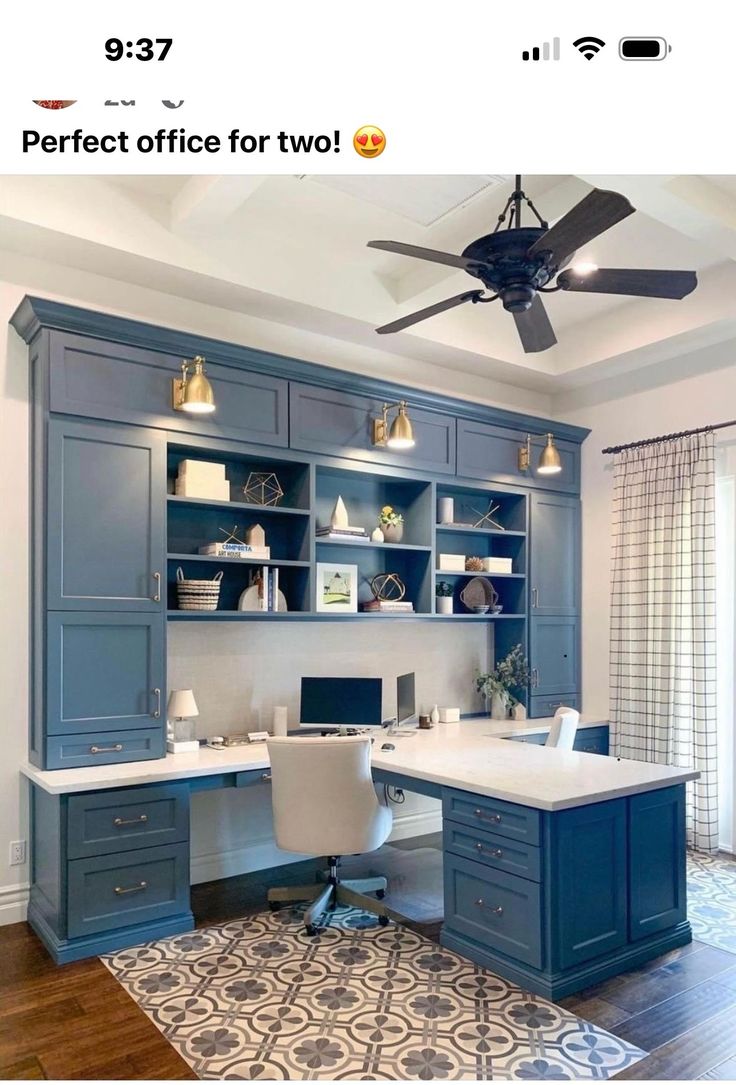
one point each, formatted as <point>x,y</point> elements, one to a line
<point>518,263</point>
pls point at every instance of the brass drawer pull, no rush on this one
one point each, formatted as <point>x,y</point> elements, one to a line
<point>140,820</point>
<point>495,853</point>
<point>535,678</point>
<point>157,710</point>
<point>117,748</point>
<point>480,903</point>
<point>265,776</point>
<point>131,889</point>
<point>156,597</point>
<point>495,818</point>
<point>535,598</point>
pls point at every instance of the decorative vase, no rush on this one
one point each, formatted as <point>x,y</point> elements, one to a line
<point>444,604</point>
<point>499,707</point>
<point>377,535</point>
<point>518,712</point>
<point>434,715</point>
<point>392,533</point>
<point>445,510</point>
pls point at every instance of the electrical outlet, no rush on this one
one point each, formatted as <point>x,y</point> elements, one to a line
<point>17,852</point>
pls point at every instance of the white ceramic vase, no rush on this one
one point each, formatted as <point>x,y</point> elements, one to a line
<point>393,533</point>
<point>499,707</point>
<point>444,604</point>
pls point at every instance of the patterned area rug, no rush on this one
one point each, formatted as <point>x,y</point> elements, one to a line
<point>258,999</point>
<point>711,899</point>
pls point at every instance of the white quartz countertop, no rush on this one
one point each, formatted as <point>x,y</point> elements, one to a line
<point>471,755</point>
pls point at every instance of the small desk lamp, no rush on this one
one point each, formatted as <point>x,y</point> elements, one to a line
<point>180,727</point>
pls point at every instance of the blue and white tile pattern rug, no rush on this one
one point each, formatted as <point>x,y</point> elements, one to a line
<point>711,899</point>
<point>258,999</point>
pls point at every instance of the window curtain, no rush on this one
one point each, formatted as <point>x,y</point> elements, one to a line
<point>663,617</point>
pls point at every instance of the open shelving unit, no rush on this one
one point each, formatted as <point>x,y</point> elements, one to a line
<point>310,492</point>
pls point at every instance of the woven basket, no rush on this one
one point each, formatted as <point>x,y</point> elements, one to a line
<point>197,594</point>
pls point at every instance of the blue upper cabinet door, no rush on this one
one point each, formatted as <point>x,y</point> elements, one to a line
<point>586,872</point>
<point>554,655</point>
<point>105,672</point>
<point>657,888</point>
<point>106,509</point>
<point>337,423</point>
<point>555,555</point>
<point>492,453</point>
<point>99,379</point>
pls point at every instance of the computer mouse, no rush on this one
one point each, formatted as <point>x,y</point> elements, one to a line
<point>388,746</point>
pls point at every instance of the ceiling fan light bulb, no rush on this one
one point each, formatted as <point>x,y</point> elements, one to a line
<point>584,267</point>
<point>550,462</point>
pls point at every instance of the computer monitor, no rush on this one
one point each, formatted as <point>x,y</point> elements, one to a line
<point>405,697</point>
<point>341,702</point>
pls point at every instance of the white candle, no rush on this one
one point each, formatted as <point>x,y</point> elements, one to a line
<point>280,720</point>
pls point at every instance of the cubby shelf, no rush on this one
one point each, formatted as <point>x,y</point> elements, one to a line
<point>240,506</point>
<point>313,616</point>
<point>373,546</point>
<point>462,529</point>
<point>238,561</point>
<point>491,576</point>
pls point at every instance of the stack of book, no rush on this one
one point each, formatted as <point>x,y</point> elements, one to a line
<point>235,550</point>
<point>268,587</point>
<point>388,606</point>
<point>342,534</point>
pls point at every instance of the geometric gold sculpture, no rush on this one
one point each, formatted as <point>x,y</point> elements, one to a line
<point>263,488</point>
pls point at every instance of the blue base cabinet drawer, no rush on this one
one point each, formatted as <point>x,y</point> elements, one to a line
<point>492,850</point>
<point>495,909</point>
<point>592,740</point>
<point>105,748</point>
<point>542,707</point>
<point>495,815</point>
<point>108,892</point>
<point>115,821</point>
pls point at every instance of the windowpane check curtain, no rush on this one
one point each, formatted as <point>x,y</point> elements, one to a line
<point>663,622</point>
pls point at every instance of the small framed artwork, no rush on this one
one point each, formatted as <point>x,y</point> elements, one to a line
<point>337,588</point>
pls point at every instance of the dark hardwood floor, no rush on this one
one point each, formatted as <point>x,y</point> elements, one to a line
<point>77,1022</point>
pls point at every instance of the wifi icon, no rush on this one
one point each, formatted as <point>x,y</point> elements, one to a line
<point>589,46</point>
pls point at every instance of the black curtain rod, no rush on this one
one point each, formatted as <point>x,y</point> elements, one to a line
<point>667,437</point>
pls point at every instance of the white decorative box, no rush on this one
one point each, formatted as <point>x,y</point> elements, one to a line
<point>497,565</point>
<point>194,487</point>
<point>452,563</point>
<point>449,715</point>
<point>202,469</point>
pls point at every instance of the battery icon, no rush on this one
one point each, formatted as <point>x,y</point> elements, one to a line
<point>643,48</point>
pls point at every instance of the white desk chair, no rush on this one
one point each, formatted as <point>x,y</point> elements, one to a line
<point>324,803</point>
<point>564,728</point>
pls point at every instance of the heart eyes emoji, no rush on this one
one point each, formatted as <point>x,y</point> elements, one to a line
<point>369,141</point>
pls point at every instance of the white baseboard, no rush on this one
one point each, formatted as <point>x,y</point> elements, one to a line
<point>262,854</point>
<point>13,903</point>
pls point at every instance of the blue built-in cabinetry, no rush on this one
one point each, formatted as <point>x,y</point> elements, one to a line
<point>110,532</point>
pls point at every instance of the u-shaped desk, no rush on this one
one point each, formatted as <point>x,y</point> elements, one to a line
<point>561,868</point>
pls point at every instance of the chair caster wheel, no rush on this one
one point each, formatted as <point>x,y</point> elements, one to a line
<point>274,905</point>
<point>311,930</point>
<point>383,921</point>
<point>380,894</point>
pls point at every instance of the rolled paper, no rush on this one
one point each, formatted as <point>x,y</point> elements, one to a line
<point>280,720</point>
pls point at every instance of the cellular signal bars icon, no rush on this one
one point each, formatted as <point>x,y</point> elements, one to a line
<point>548,51</point>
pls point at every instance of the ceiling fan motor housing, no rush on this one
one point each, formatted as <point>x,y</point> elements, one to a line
<point>506,268</point>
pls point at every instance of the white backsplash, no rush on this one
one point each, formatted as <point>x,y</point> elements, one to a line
<point>240,671</point>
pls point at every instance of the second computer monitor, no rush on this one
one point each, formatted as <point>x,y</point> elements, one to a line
<point>405,697</point>
<point>341,702</point>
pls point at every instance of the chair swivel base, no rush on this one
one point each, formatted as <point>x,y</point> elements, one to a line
<point>331,891</point>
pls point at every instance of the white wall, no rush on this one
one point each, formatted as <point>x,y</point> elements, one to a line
<point>684,404</point>
<point>220,822</point>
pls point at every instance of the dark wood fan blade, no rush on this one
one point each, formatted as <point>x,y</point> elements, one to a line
<point>638,282</point>
<point>535,331</point>
<point>595,214</point>
<point>431,310</point>
<point>417,251</point>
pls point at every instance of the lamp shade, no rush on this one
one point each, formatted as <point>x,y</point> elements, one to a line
<point>198,397</point>
<point>401,434</point>
<point>550,462</point>
<point>182,704</point>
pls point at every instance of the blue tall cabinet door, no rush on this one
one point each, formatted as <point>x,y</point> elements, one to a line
<point>106,508</point>
<point>105,672</point>
<point>657,874</point>
<point>554,652</point>
<point>554,554</point>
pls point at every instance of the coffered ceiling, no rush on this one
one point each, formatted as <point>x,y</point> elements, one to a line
<point>292,250</point>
